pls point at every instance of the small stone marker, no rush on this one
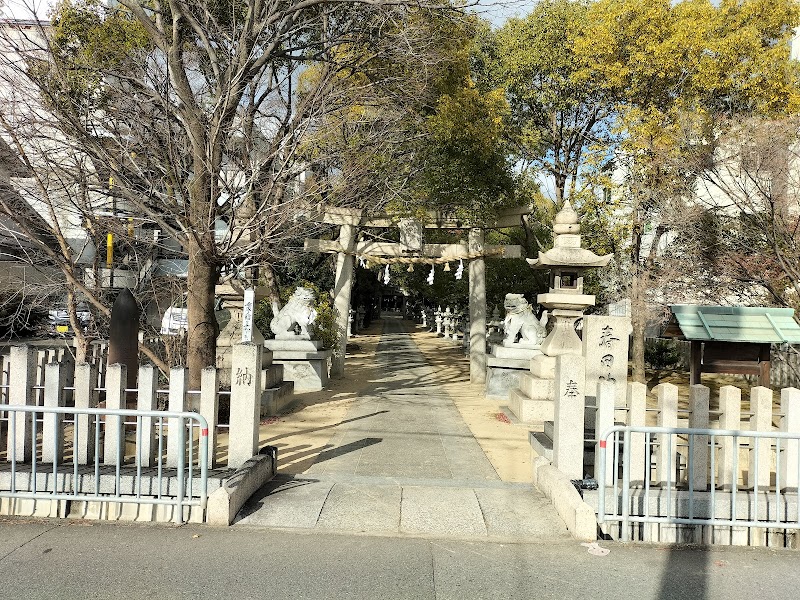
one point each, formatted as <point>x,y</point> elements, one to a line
<point>568,422</point>
<point>248,313</point>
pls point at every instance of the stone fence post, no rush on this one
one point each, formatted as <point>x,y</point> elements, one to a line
<point>568,421</point>
<point>21,380</point>
<point>730,406</point>
<point>86,396</point>
<point>666,467</point>
<point>178,384</point>
<point>53,427</point>
<point>790,423</point>
<point>761,420</point>
<point>698,419</point>
<point>209,408</point>
<point>114,438</point>
<point>637,417</point>
<point>146,400</point>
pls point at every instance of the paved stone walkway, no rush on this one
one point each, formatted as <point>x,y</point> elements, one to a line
<point>404,462</point>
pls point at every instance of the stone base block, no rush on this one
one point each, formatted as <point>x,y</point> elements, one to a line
<point>272,376</point>
<point>309,373</point>
<point>528,410</point>
<point>225,502</point>
<point>275,399</point>
<point>293,345</point>
<point>509,363</point>
<point>543,366</point>
<point>515,352</point>
<point>536,388</point>
<point>500,381</point>
<point>578,516</point>
<point>541,444</point>
<point>130,511</point>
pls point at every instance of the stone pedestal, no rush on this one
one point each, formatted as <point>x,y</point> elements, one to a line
<point>504,367</point>
<point>305,362</point>
<point>276,391</point>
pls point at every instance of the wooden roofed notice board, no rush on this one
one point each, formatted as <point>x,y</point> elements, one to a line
<point>732,339</point>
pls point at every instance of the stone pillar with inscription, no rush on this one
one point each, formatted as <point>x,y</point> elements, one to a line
<point>245,403</point>
<point>568,422</point>
<point>605,348</point>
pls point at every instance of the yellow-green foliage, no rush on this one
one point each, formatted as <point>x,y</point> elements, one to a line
<point>731,57</point>
<point>89,41</point>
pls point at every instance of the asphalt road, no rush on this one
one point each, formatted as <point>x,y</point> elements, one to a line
<point>41,559</point>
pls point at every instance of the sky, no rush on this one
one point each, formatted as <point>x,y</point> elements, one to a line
<point>496,11</point>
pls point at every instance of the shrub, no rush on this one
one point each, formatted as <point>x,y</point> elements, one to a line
<point>662,355</point>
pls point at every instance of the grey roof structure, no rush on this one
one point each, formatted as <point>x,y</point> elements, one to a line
<point>754,324</point>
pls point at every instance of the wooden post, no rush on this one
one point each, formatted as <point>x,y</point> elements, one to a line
<point>477,309</point>
<point>695,368</point>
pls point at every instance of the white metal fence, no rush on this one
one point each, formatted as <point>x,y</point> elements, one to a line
<point>713,494</point>
<point>717,470</point>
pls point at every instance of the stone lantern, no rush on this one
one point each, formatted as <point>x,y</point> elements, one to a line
<point>565,299</point>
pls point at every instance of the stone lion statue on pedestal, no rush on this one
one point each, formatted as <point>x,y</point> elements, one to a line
<point>521,323</point>
<point>298,311</point>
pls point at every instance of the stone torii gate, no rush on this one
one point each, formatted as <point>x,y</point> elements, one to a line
<point>412,249</point>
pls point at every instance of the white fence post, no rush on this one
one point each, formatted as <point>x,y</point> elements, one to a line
<point>209,409</point>
<point>698,419</point>
<point>790,407</point>
<point>667,417</point>
<point>245,403</point>
<point>114,436</point>
<point>178,383</point>
<point>761,420</point>
<point>20,392</point>
<point>604,419</point>
<point>146,400</point>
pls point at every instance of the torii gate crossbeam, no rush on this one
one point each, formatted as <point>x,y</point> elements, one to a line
<point>346,247</point>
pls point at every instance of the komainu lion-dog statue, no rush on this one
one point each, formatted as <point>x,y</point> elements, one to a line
<point>522,328</point>
<point>298,311</point>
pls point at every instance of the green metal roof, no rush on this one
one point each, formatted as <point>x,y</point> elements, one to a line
<point>756,324</point>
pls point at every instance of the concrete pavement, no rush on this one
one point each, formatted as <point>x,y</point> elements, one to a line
<point>404,462</point>
<point>98,561</point>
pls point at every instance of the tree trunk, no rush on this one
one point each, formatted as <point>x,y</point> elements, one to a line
<point>203,329</point>
<point>639,322</point>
